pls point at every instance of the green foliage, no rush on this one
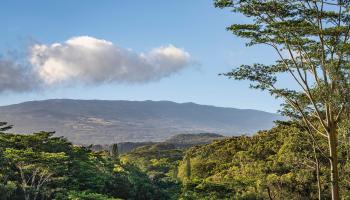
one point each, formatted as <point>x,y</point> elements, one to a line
<point>155,158</point>
<point>311,40</point>
<point>160,162</point>
<point>73,195</point>
<point>278,162</point>
<point>188,167</point>
<point>40,166</point>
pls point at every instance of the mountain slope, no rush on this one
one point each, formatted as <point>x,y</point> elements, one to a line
<point>105,122</point>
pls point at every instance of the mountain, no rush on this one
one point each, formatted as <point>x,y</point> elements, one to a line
<point>106,122</point>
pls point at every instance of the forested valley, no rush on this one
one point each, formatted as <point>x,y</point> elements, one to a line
<point>281,163</point>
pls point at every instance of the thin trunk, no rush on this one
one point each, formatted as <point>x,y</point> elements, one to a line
<point>24,183</point>
<point>347,151</point>
<point>333,158</point>
<point>269,192</point>
<point>317,172</point>
<point>35,195</point>
<point>318,178</point>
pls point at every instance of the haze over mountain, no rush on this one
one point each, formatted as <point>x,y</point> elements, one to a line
<point>105,122</point>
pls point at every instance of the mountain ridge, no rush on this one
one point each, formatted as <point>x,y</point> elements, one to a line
<point>109,121</point>
<point>159,101</point>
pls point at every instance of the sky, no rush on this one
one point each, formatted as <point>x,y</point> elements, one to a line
<point>125,50</point>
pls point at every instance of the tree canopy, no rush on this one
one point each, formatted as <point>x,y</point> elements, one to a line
<point>311,40</point>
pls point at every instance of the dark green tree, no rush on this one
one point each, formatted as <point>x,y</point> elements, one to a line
<point>188,167</point>
<point>114,151</point>
<point>311,39</point>
<point>4,126</point>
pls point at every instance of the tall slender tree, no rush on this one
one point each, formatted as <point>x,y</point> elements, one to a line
<point>188,168</point>
<point>114,151</point>
<point>311,40</point>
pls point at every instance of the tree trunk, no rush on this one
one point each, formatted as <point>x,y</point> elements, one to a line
<point>26,197</point>
<point>317,172</point>
<point>269,193</point>
<point>318,178</point>
<point>333,158</point>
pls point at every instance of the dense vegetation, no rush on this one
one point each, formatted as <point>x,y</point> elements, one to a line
<point>311,40</point>
<point>179,141</point>
<point>123,147</point>
<point>281,163</point>
<point>272,164</point>
<point>40,166</point>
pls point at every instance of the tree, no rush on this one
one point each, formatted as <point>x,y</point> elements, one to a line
<point>311,39</point>
<point>188,167</point>
<point>4,126</point>
<point>74,195</point>
<point>35,169</point>
<point>114,151</point>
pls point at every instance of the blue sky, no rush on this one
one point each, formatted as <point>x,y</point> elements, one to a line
<point>194,26</point>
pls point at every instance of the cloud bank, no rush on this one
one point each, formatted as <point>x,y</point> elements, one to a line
<point>88,60</point>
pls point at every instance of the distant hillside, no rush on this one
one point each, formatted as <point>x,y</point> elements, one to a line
<point>106,122</point>
<point>177,141</point>
<point>188,140</point>
<point>123,147</point>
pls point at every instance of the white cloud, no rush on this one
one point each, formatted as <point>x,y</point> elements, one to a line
<point>89,60</point>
